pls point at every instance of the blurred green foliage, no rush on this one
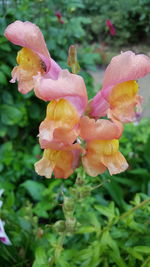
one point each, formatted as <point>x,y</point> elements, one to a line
<point>105,226</point>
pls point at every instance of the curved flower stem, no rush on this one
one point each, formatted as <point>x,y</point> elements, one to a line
<point>126,214</point>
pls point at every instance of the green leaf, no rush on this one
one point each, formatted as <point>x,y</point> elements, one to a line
<point>35,189</point>
<point>142,249</point>
<point>40,258</point>
<point>10,115</point>
<point>3,79</point>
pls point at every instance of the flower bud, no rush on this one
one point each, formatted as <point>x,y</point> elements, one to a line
<point>72,59</point>
<point>71,225</point>
<point>59,226</point>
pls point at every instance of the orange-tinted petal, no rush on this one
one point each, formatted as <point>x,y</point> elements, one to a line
<point>99,130</point>
<point>115,163</point>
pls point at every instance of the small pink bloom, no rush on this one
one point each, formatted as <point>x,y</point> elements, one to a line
<point>68,86</point>
<point>33,58</point>
<point>111,27</point>
<point>118,97</point>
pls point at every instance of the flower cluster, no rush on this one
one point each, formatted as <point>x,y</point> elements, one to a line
<point>74,130</point>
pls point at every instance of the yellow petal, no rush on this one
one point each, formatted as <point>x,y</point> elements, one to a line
<point>123,92</point>
<point>30,61</point>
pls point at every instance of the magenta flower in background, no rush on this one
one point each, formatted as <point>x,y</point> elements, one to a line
<point>111,27</point>
<point>3,236</point>
<point>59,17</point>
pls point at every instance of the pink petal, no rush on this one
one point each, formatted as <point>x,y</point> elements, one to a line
<point>68,86</point>
<point>98,106</point>
<point>99,130</point>
<point>28,35</point>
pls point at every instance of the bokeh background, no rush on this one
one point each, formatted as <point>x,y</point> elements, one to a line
<point>32,204</point>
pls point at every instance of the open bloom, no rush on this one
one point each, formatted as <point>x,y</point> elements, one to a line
<point>33,58</point>
<point>61,162</point>
<point>102,151</point>
<point>119,97</point>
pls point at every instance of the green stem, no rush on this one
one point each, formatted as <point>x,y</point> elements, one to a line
<point>126,214</point>
<point>58,250</point>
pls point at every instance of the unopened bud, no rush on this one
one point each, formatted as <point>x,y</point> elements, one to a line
<point>72,59</point>
<point>59,226</point>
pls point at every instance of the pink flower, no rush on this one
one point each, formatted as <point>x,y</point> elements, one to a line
<point>119,95</point>
<point>33,58</point>
<point>102,150</point>
<point>111,27</point>
<point>3,236</point>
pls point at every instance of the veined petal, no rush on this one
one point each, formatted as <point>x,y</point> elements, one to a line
<point>99,130</point>
<point>68,86</point>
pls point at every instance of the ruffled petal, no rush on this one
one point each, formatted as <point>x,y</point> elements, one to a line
<point>68,86</point>
<point>115,163</point>
<point>92,167</point>
<point>99,130</point>
<point>61,162</point>
<point>102,154</point>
